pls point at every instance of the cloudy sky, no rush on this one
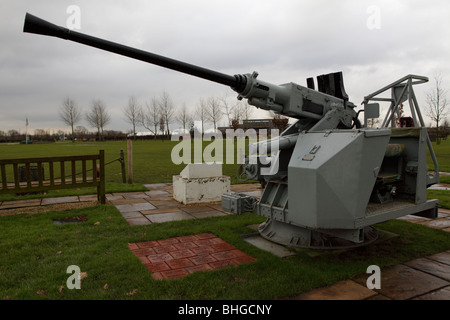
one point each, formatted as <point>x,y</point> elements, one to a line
<point>372,42</point>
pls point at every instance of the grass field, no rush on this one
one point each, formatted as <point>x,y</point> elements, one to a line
<point>442,152</point>
<point>35,253</point>
<point>151,158</point>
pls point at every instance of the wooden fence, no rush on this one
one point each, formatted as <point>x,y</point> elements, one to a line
<point>28,175</point>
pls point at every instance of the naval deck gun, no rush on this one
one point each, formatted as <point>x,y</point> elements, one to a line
<point>334,178</point>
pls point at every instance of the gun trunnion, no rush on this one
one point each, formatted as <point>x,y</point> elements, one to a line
<point>335,178</point>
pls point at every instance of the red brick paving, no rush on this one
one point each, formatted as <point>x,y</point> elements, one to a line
<point>177,257</point>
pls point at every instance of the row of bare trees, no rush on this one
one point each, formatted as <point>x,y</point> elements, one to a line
<point>157,115</point>
<point>160,113</point>
<point>97,116</point>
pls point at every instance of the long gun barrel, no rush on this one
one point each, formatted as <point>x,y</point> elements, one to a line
<point>289,99</point>
<point>36,25</point>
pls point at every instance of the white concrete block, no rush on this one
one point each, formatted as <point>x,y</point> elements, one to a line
<point>202,170</point>
<point>200,190</point>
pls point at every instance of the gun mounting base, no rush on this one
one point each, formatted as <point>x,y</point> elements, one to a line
<point>298,237</point>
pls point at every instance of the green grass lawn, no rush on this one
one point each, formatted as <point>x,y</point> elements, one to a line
<point>35,255</point>
<point>151,158</point>
<point>442,151</point>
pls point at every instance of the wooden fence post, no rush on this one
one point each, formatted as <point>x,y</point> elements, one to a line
<point>101,186</point>
<point>122,164</point>
<point>130,160</point>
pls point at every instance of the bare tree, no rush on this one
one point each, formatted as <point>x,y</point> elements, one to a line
<point>437,103</point>
<point>151,118</point>
<point>237,111</point>
<point>70,114</point>
<point>161,125</point>
<point>241,111</point>
<point>133,114</point>
<point>247,110</point>
<point>98,117</point>
<point>213,111</point>
<point>191,124</point>
<point>167,110</point>
<point>227,108</point>
<point>81,131</point>
<point>201,113</point>
<point>183,116</point>
<point>13,133</point>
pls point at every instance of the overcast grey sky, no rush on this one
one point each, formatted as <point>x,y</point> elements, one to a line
<point>284,40</point>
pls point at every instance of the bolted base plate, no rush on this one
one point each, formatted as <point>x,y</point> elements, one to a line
<point>299,237</point>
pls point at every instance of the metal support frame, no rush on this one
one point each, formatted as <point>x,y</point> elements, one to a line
<point>405,87</point>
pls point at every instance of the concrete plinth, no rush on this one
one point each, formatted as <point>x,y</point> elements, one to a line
<point>199,183</point>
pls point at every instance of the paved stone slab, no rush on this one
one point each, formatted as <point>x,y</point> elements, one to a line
<point>164,203</point>
<point>160,198</point>
<point>343,290</point>
<point>443,257</point>
<point>435,268</point>
<point>217,206</point>
<point>138,221</point>
<point>161,210</point>
<point>131,214</point>
<point>87,198</point>
<point>122,200</point>
<point>170,216</point>
<point>155,185</point>
<point>20,203</point>
<point>58,200</point>
<point>194,209</point>
<point>135,195</point>
<point>441,294</point>
<point>156,193</point>
<point>135,207</point>
<point>205,214</point>
<point>443,214</point>
<point>401,282</point>
<point>438,223</point>
<point>114,198</point>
